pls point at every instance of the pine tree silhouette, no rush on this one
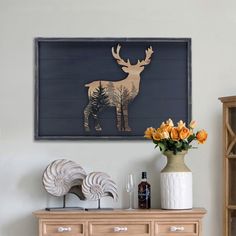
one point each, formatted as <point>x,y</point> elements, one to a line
<point>122,97</point>
<point>110,92</point>
<point>99,99</point>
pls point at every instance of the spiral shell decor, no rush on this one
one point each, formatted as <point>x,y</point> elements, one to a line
<point>64,176</point>
<point>61,175</point>
<point>97,185</point>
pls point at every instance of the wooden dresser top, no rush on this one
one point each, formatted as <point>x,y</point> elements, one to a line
<point>121,213</point>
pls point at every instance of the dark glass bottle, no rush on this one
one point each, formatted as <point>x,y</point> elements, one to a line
<point>144,193</point>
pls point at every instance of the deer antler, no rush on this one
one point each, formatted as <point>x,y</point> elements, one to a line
<point>116,55</point>
<point>147,59</point>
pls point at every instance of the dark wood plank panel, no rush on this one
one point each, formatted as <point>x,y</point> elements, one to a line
<point>64,66</point>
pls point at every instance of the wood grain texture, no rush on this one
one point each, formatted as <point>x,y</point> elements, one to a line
<point>229,163</point>
<point>228,99</point>
<point>152,222</point>
<point>64,65</point>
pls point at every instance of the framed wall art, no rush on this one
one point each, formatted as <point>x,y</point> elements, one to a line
<point>109,88</point>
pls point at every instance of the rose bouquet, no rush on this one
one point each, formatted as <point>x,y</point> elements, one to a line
<point>175,138</point>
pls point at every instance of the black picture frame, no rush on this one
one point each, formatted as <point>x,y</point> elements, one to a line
<point>64,65</point>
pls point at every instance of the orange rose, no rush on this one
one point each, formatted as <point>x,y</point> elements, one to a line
<point>157,135</point>
<point>174,134</point>
<point>164,134</point>
<point>167,126</point>
<point>170,123</point>
<point>163,125</point>
<point>192,124</point>
<point>184,133</point>
<point>181,124</point>
<point>201,136</point>
<point>149,132</point>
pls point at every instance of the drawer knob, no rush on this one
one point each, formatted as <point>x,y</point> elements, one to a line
<point>176,228</point>
<point>118,229</point>
<point>63,229</point>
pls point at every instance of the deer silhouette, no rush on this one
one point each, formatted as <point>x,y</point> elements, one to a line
<point>116,94</point>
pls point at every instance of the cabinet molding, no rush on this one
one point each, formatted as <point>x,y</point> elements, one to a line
<point>229,164</point>
<point>152,222</point>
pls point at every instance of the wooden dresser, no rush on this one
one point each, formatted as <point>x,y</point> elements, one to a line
<point>152,222</point>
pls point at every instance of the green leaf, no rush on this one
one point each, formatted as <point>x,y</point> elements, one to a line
<point>155,141</point>
<point>178,144</point>
<point>171,141</point>
<point>162,147</point>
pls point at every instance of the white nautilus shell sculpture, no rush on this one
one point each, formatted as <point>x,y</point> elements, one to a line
<point>97,185</point>
<point>61,175</point>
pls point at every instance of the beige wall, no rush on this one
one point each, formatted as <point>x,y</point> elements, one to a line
<point>212,27</point>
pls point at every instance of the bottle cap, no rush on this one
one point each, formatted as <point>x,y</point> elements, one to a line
<point>144,175</point>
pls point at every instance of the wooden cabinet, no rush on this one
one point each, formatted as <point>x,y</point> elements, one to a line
<point>229,157</point>
<point>152,222</point>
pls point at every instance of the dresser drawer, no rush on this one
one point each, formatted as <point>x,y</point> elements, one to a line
<point>151,222</point>
<point>176,228</point>
<point>119,227</point>
<point>57,228</point>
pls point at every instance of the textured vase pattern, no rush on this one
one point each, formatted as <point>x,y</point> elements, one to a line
<point>176,183</point>
<point>176,190</point>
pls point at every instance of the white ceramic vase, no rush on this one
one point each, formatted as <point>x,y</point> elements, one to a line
<point>176,183</point>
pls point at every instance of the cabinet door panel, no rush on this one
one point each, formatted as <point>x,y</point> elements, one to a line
<point>231,181</point>
<point>232,222</point>
<point>231,131</point>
